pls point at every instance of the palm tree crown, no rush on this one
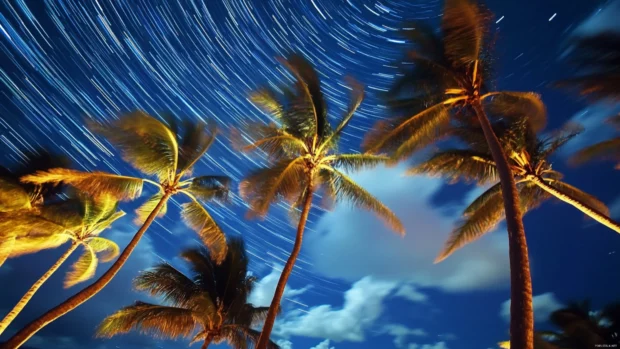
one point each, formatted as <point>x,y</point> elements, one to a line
<point>210,305</point>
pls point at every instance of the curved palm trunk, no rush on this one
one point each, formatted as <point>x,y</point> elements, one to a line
<point>263,340</point>
<point>34,288</point>
<point>73,302</point>
<point>208,340</point>
<point>592,213</point>
<point>521,310</point>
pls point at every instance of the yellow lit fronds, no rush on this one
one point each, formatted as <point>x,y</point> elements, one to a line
<point>148,206</point>
<point>93,183</point>
<point>199,219</point>
<point>32,244</point>
<point>504,345</point>
<point>6,247</point>
<point>463,27</point>
<point>98,209</point>
<point>144,142</point>
<point>156,320</point>
<point>107,249</point>
<point>267,101</point>
<point>458,164</point>
<point>83,269</point>
<point>12,196</point>
<point>580,195</point>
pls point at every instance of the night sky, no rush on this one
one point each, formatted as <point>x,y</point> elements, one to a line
<point>356,284</point>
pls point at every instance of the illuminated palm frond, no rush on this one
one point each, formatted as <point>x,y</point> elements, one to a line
<point>494,194</point>
<point>93,183</point>
<point>275,141</point>
<point>580,195</point>
<point>13,196</point>
<point>357,96</point>
<point>6,247</point>
<point>83,269</point>
<point>107,249</point>
<point>199,219</point>
<point>32,244</point>
<point>210,188</point>
<point>357,162</point>
<point>463,26</point>
<point>144,142</point>
<point>518,105</point>
<point>455,164</point>
<point>169,283</point>
<point>148,206</point>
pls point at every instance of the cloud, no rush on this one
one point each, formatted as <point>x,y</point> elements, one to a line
<point>265,288</point>
<point>604,19</point>
<point>350,243</point>
<point>593,119</point>
<point>323,345</point>
<point>284,344</point>
<point>544,304</point>
<point>410,293</point>
<point>363,304</point>
<point>400,333</point>
<point>438,345</point>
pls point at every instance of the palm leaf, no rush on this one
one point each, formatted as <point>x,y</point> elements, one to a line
<point>267,100</point>
<point>106,222</point>
<point>606,150</point>
<point>167,282</point>
<point>144,142</point>
<point>356,162</point>
<point>276,142</point>
<point>284,179</point>
<point>93,183</point>
<point>6,247</point>
<point>405,135</point>
<point>197,139</point>
<point>581,196</point>
<point>29,223</point>
<point>347,189</point>
<point>148,206</point>
<point>493,193</point>
<point>357,96</point>
<point>455,164</point>
<point>463,29</point>
<point>13,196</point>
<point>157,320</point>
<point>97,209</point>
<point>199,219</point>
<point>32,244</point>
<point>518,105</point>
<point>208,188</point>
<point>84,268</point>
<point>107,248</point>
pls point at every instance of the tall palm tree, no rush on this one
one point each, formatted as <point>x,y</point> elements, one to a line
<point>303,159</point>
<point>444,80</point>
<point>209,306</point>
<point>597,59</point>
<point>529,161</point>
<point>82,229</point>
<point>168,154</point>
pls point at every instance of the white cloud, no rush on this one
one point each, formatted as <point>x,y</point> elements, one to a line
<point>410,293</point>
<point>265,288</point>
<point>284,344</point>
<point>438,345</point>
<point>363,304</point>
<point>593,119</point>
<point>605,19</point>
<point>400,333</point>
<point>323,345</point>
<point>350,243</point>
<point>544,304</point>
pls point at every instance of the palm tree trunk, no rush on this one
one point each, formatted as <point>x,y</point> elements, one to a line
<point>208,340</point>
<point>263,340</point>
<point>34,288</point>
<point>591,212</point>
<point>521,310</point>
<point>25,333</point>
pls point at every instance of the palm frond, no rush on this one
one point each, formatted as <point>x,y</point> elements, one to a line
<point>144,142</point>
<point>105,223</point>
<point>157,320</point>
<point>208,188</point>
<point>169,283</point>
<point>267,100</point>
<point>6,247</point>
<point>596,86</point>
<point>199,219</point>
<point>357,96</point>
<point>560,138</point>
<point>284,179</point>
<point>107,249</point>
<point>84,268</point>
<point>276,142</point>
<point>32,244</point>
<point>455,164</point>
<point>29,223</point>
<point>493,193</point>
<point>195,142</point>
<point>98,209</point>
<point>93,183</point>
<point>347,189</point>
<point>13,196</point>
<point>518,105</point>
<point>606,150</point>
<point>356,162</point>
<point>580,195</point>
<point>403,136</point>
<point>463,25</point>
<point>148,206</point>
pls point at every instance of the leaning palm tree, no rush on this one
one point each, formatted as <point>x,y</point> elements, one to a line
<point>82,228</point>
<point>209,306</point>
<point>529,161</point>
<point>446,80</point>
<point>168,154</point>
<point>303,159</point>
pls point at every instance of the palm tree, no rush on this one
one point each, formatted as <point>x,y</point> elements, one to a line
<point>303,159</point>
<point>209,306</point>
<point>597,59</point>
<point>446,80</point>
<point>167,153</point>
<point>82,229</point>
<point>580,327</point>
<point>529,162</point>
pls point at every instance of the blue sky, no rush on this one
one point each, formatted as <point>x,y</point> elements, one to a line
<point>356,285</point>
